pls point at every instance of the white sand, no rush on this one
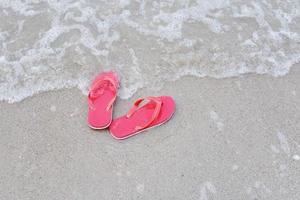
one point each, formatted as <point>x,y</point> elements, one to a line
<point>232,138</point>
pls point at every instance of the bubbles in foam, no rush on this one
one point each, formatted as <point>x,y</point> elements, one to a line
<point>47,45</point>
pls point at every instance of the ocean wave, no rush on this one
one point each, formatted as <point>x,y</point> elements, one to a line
<point>48,45</point>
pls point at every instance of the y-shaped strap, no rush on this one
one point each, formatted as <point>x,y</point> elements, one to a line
<point>156,111</point>
<point>95,86</point>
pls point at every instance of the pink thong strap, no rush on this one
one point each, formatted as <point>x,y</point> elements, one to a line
<point>157,108</point>
<point>94,91</point>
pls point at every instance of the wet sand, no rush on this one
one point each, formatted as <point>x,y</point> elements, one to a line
<point>235,138</point>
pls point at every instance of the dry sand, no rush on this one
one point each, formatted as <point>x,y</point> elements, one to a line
<point>235,138</point>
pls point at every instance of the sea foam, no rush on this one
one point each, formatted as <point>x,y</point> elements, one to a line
<point>48,45</point>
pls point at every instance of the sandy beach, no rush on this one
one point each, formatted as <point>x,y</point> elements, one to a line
<point>232,67</point>
<point>234,138</point>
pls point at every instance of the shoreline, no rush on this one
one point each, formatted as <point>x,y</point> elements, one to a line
<point>244,75</point>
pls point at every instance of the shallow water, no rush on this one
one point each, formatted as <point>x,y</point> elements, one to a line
<point>47,45</point>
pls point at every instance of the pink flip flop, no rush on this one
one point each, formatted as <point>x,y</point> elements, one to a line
<point>157,111</point>
<point>102,95</point>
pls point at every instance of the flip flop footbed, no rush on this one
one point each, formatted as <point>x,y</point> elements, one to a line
<point>102,94</point>
<point>124,127</point>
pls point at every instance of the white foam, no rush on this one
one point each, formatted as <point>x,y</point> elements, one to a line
<point>207,191</point>
<point>215,117</point>
<point>296,157</point>
<point>140,188</point>
<point>284,145</point>
<point>53,108</point>
<point>235,167</point>
<point>48,45</point>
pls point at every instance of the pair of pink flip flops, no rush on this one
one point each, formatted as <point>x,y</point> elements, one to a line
<point>101,98</point>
